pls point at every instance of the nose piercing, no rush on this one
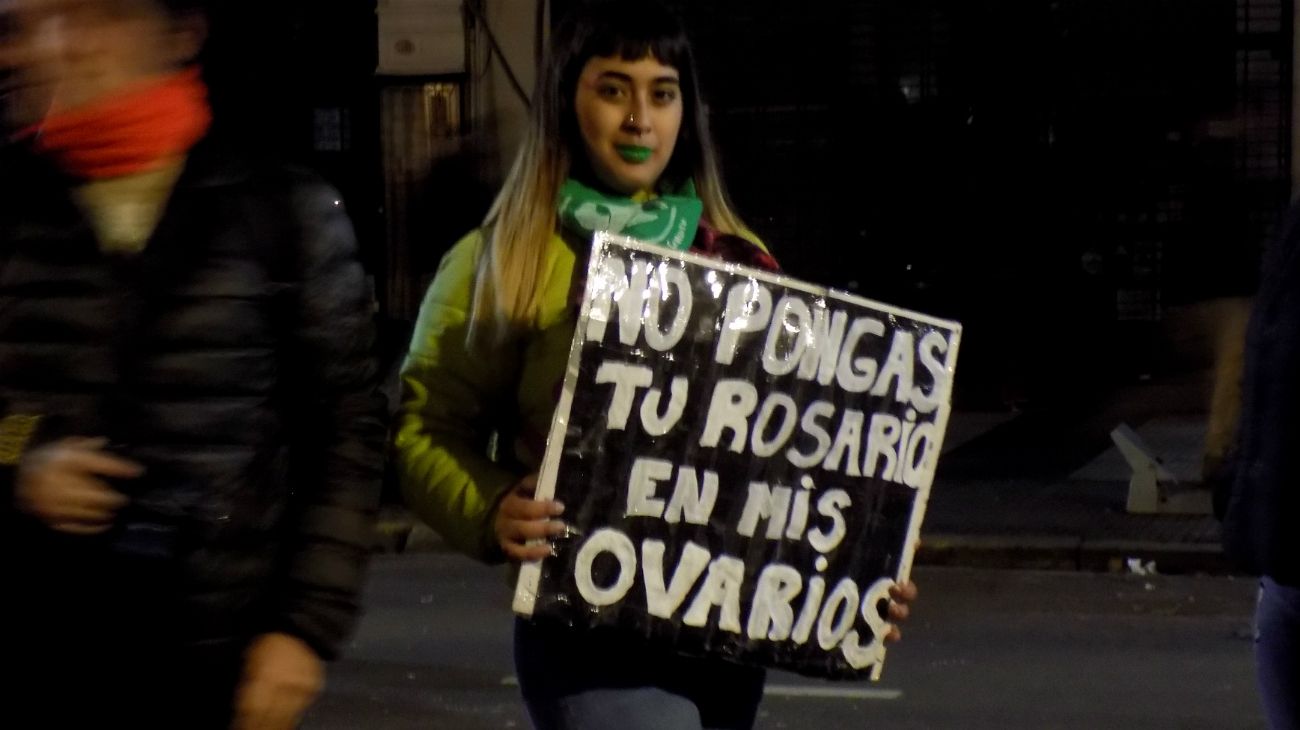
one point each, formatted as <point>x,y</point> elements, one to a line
<point>631,119</point>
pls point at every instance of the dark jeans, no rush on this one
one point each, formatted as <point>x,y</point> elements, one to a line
<point>596,680</point>
<point>1277,653</point>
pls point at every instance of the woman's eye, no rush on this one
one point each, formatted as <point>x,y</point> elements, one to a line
<point>610,91</point>
<point>665,96</point>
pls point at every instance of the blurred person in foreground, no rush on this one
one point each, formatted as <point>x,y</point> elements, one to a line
<point>190,436</point>
<point>1259,500</point>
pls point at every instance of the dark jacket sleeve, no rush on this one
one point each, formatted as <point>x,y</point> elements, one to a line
<point>1261,510</point>
<point>340,430</point>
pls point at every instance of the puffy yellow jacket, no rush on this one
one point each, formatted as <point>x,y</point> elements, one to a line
<point>457,399</point>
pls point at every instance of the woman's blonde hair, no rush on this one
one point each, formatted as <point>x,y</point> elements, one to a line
<point>518,228</point>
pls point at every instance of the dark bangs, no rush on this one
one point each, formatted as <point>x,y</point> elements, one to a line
<point>634,30</point>
<point>630,30</point>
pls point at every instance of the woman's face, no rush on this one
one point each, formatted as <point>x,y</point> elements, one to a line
<point>629,113</point>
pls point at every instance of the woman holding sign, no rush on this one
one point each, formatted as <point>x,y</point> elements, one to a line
<point>619,143</point>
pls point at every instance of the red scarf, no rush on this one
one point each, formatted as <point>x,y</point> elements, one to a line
<point>130,132</point>
<point>732,249</point>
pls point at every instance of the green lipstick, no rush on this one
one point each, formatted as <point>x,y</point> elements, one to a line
<point>633,153</point>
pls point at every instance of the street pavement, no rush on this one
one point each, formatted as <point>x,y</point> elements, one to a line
<point>985,649</point>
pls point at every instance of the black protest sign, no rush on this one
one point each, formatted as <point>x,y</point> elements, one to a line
<point>745,461</point>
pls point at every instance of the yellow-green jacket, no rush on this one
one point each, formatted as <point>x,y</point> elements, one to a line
<point>455,399</point>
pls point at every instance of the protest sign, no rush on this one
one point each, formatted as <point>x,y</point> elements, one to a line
<point>745,460</point>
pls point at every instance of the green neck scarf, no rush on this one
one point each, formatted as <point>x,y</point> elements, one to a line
<point>667,220</point>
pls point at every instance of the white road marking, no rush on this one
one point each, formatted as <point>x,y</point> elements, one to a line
<point>834,693</point>
<point>795,690</point>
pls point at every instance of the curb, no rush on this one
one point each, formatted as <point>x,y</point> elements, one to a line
<point>395,536</point>
<point>1022,552</point>
<point>1059,552</point>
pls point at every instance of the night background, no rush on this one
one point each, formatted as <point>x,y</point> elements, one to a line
<point>1056,175</point>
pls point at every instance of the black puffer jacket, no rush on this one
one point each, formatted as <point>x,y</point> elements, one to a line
<point>1261,503</point>
<point>233,358</point>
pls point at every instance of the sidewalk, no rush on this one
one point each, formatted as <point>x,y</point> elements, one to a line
<point>1074,520</point>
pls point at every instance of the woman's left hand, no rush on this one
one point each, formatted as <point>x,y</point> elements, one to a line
<point>901,598</point>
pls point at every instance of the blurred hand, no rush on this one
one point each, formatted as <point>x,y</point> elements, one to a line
<point>62,484</point>
<point>521,519</point>
<point>282,677</point>
<point>901,598</point>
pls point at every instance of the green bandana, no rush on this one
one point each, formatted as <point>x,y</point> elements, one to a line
<point>668,220</point>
